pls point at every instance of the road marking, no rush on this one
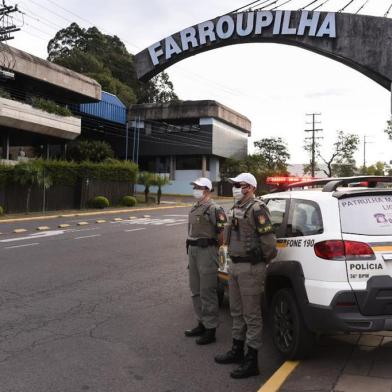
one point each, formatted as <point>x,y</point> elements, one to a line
<point>82,223</point>
<point>35,235</point>
<point>21,246</point>
<point>274,383</point>
<point>177,215</point>
<point>100,221</point>
<point>74,230</point>
<point>19,231</point>
<point>87,236</point>
<point>142,228</point>
<point>64,225</point>
<point>175,224</point>
<point>43,228</point>
<point>118,219</point>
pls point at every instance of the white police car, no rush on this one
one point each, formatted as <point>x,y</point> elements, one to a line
<point>333,270</point>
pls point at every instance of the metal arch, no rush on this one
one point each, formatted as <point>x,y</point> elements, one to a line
<point>361,51</point>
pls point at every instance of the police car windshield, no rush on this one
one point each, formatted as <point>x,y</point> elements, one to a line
<point>366,215</point>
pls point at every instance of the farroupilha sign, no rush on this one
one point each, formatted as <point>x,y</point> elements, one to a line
<point>311,24</point>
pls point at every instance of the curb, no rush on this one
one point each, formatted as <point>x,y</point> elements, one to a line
<point>274,383</point>
<point>130,210</point>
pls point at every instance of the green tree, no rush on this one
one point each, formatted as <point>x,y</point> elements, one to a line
<point>342,153</point>
<point>146,179</point>
<point>31,174</point>
<point>160,181</point>
<point>274,153</point>
<point>378,169</point>
<point>89,150</point>
<point>106,59</point>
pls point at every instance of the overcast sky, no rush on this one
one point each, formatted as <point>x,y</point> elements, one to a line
<point>273,85</point>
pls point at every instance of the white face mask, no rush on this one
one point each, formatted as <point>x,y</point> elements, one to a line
<point>198,194</point>
<point>237,193</point>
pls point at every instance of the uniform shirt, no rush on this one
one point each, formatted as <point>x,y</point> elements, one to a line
<point>206,220</point>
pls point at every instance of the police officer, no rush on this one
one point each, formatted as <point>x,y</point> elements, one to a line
<point>205,233</point>
<point>251,244</point>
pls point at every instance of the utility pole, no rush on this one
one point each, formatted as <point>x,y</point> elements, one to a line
<point>6,23</point>
<point>364,152</point>
<point>313,138</point>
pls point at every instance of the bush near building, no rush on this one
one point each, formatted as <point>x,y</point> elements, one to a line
<point>129,201</point>
<point>1,210</point>
<point>99,202</point>
<point>68,173</point>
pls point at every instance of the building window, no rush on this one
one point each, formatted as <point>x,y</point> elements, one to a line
<point>190,163</point>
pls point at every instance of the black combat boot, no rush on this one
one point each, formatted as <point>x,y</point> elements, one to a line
<point>197,331</point>
<point>235,355</point>
<point>249,366</point>
<point>207,337</point>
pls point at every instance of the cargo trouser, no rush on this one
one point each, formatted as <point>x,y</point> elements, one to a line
<point>246,284</point>
<point>203,281</point>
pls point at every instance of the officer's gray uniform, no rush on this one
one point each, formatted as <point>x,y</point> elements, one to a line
<point>206,220</point>
<point>251,244</point>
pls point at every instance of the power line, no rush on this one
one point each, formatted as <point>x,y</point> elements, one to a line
<point>321,5</point>
<point>308,5</point>
<point>363,5</point>
<point>247,5</point>
<point>342,9</point>
<point>281,5</point>
<point>389,9</point>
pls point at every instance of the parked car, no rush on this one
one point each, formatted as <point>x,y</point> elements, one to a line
<point>333,270</point>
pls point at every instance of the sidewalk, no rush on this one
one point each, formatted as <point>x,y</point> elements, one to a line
<point>20,217</point>
<point>166,202</point>
<point>346,363</point>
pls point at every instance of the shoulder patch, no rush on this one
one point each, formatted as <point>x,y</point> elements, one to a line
<point>262,221</point>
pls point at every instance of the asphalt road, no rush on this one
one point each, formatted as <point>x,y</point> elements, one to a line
<point>103,307</point>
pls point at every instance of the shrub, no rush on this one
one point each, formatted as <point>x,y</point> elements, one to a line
<point>50,107</point>
<point>1,210</point>
<point>89,150</point>
<point>99,202</point>
<point>129,201</point>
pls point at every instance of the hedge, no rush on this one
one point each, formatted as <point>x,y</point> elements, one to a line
<point>68,173</point>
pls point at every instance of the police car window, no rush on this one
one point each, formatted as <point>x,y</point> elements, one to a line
<point>366,215</point>
<point>304,219</point>
<point>277,209</point>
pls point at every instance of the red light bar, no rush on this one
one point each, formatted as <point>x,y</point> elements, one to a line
<point>287,180</point>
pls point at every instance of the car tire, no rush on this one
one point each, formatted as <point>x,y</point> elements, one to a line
<point>291,336</point>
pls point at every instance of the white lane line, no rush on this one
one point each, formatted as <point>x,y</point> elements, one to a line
<point>176,224</point>
<point>178,215</point>
<point>87,236</point>
<point>142,228</point>
<point>77,230</point>
<point>34,236</point>
<point>21,246</point>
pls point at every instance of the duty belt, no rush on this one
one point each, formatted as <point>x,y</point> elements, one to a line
<point>202,242</point>
<point>245,259</point>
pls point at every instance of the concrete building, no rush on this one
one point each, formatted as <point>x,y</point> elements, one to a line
<point>29,84</point>
<point>186,140</point>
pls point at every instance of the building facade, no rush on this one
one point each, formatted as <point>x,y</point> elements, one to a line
<point>186,140</point>
<point>28,91</point>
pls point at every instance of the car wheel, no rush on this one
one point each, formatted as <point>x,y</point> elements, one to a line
<point>290,335</point>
